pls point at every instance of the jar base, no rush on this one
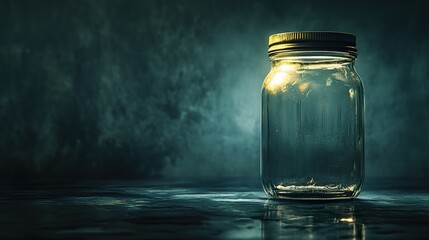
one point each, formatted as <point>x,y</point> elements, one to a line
<point>313,192</point>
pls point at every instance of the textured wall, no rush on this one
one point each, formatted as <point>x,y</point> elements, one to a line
<point>136,89</point>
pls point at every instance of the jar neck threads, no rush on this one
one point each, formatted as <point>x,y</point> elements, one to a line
<point>313,56</point>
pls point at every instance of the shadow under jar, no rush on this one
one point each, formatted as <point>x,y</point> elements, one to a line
<point>312,139</point>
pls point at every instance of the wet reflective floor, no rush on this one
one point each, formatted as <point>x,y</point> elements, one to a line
<point>230,209</point>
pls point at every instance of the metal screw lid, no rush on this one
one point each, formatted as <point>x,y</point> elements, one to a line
<point>312,41</point>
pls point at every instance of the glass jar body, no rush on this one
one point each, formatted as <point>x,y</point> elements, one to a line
<point>312,141</point>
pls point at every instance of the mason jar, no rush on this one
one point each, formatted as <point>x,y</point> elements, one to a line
<point>312,139</point>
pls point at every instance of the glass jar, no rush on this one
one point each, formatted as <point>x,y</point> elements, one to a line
<point>312,143</point>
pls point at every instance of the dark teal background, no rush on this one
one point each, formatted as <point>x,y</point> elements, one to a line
<point>139,89</point>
